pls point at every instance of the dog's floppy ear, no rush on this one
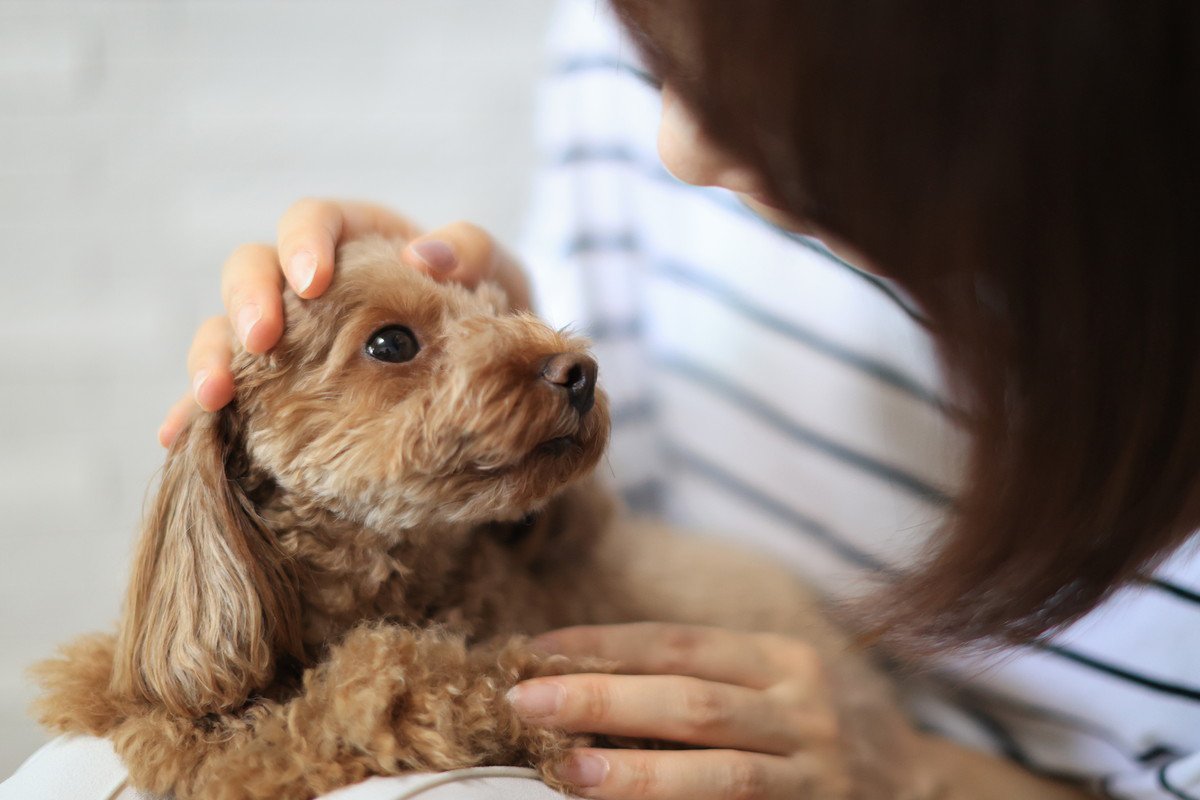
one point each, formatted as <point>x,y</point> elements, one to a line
<point>212,601</point>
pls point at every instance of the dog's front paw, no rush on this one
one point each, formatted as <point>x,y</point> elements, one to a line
<point>514,660</point>
<point>411,700</point>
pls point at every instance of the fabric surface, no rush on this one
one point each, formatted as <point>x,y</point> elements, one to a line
<point>496,783</point>
<point>86,768</point>
<point>71,768</point>
<point>769,392</point>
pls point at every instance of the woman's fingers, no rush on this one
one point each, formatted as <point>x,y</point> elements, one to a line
<point>212,381</point>
<point>754,660</point>
<point>465,253</point>
<point>208,364</point>
<point>764,698</point>
<point>251,288</point>
<point>311,229</point>
<point>677,709</point>
<point>308,236</point>
<point>309,233</point>
<point>685,775</point>
<point>461,251</point>
<point>177,416</point>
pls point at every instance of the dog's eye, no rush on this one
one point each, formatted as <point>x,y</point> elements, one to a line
<point>394,344</point>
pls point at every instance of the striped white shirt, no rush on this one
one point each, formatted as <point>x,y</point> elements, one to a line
<point>764,389</point>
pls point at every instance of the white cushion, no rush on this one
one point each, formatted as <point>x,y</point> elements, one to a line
<point>87,768</point>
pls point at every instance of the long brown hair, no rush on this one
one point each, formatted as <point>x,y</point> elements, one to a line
<point>1028,172</point>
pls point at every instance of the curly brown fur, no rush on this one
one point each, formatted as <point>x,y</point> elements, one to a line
<point>337,570</point>
<point>332,565</point>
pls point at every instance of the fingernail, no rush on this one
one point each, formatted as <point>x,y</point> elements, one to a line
<point>436,254</point>
<point>198,383</point>
<point>535,700</point>
<point>247,317</point>
<point>583,770</point>
<point>302,269</point>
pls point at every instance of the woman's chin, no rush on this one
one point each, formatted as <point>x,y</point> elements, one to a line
<point>765,208</point>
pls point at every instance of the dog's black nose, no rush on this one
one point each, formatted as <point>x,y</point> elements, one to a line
<point>576,373</point>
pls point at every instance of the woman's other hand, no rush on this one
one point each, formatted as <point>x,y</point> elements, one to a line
<point>763,703</point>
<point>767,709</point>
<point>303,254</point>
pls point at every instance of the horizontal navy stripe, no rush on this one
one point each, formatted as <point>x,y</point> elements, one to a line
<point>582,153</point>
<point>999,735</point>
<point>716,384</point>
<point>1005,745</point>
<point>1154,684</point>
<point>729,297</point>
<point>734,300</point>
<point>1168,786</point>
<point>1174,589</point>
<point>789,516</point>
<point>603,330</point>
<point>1157,753</point>
<point>600,61</point>
<point>632,412</point>
<point>589,242</point>
<point>732,203</point>
<point>1004,703</point>
<point>645,497</point>
<point>1014,752</point>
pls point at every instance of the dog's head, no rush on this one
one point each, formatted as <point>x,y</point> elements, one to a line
<point>401,402</point>
<point>393,401</point>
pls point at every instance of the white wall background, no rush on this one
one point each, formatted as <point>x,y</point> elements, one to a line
<point>140,142</point>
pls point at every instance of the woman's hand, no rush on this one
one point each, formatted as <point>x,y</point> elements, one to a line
<point>308,236</point>
<point>770,710</point>
<point>764,702</point>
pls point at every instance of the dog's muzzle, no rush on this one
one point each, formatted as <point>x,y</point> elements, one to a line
<point>575,373</point>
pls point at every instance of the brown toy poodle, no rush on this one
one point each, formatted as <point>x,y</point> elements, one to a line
<point>338,569</point>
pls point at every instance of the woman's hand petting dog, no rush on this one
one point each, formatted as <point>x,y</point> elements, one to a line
<point>765,701</point>
<point>308,235</point>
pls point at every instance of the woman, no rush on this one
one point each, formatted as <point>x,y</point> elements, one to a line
<point>1024,175</point>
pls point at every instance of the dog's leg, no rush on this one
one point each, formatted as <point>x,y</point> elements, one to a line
<point>388,700</point>
<point>665,575</point>
<point>163,753</point>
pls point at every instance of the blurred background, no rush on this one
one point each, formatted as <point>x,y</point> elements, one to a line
<point>140,142</point>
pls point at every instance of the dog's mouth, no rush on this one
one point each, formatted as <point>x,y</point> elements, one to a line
<point>559,445</point>
<point>549,450</point>
<point>559,448</point>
